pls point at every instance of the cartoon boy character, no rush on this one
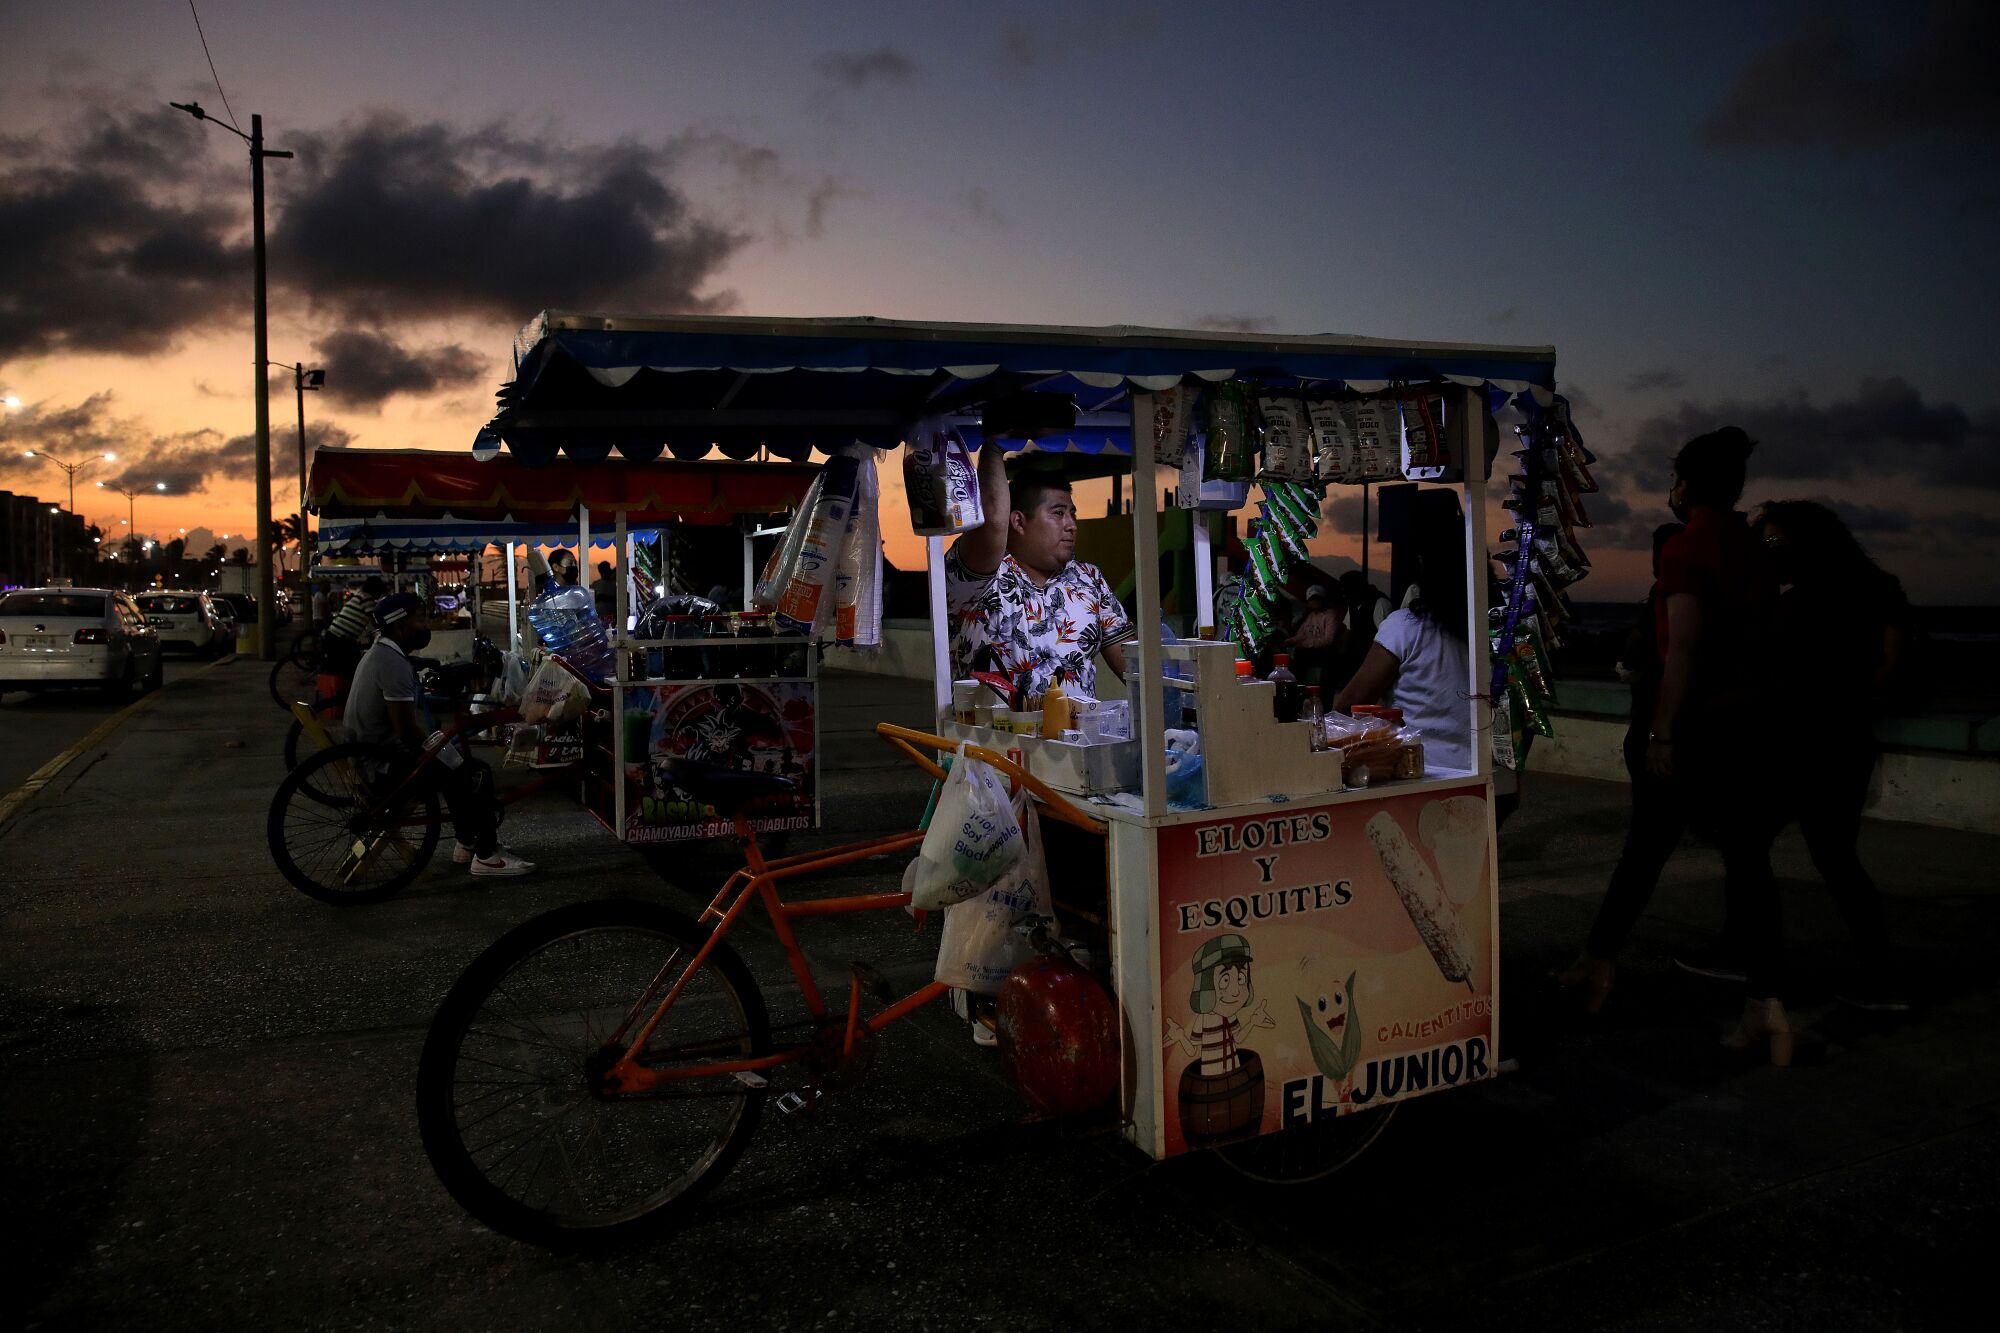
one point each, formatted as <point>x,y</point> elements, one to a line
<point>1333,1031</point>
<point>1222,1088</point>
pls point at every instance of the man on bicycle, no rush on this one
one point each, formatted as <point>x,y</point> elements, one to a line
<point>341,644</point>
<point>385,706</point>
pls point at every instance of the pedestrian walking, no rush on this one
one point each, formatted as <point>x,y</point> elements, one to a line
<point>1842,628</point>
<point>1716,594</point>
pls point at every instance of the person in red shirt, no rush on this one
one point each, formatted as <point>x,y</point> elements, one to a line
<point>1713,608</point>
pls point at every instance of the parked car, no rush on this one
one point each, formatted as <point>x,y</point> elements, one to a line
<point>190,620</point>
<point>76,636</point>
<point>245,607</point>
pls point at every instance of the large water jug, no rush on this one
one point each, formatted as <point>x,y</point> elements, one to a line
<point>565,619</point>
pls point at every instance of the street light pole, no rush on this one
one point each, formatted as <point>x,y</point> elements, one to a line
<point>267,598</point>
<point>71,468</point>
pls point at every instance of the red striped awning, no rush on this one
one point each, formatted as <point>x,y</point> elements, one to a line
<point>423,483</point>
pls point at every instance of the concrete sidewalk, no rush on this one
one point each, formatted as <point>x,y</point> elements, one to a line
<point>209,1121</point>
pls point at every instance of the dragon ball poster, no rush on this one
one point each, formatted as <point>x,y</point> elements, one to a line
<point>749,726</point>
<point>1317,960</point>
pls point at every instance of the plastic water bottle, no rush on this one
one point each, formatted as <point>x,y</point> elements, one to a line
<point>565,620</point>
<point>1173,701</point>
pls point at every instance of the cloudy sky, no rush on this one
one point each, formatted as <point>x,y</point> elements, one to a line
<point>1775,214</point>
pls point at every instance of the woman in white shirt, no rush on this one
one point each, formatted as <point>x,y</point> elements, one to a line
<point>1418,660</point>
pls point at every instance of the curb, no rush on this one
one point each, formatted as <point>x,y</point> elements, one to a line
<point>12,802</point>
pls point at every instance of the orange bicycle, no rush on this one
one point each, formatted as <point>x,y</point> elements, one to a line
<point>605,1062</point>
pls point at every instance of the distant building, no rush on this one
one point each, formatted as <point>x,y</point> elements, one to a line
<point>36,546</point>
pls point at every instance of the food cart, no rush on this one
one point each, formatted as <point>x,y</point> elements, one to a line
<point>1294,948</point>
<point>718,689</point>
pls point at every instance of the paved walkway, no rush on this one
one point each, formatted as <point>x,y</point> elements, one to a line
<point>206,1089</point>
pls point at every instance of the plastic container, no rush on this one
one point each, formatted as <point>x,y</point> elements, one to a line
<point>564,617</point>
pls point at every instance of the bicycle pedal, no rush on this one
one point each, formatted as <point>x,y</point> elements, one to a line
<point>873,981</point>
<point>796,1103</point>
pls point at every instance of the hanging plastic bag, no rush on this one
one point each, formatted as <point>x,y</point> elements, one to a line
<point>941,481</point>
<point>981,945</point>
<point>555,695</point>
<point>974,836</point>
<point>784,561</point>
<point>857,583</point>
<point>513,679</point>
<point>804,607</point>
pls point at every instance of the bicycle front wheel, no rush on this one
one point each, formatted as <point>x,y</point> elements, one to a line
<point>295,677</point>
<point>334,841</point>
<point>509,1100</point>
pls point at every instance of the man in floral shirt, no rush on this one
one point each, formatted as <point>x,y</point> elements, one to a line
<point>1015,589</point>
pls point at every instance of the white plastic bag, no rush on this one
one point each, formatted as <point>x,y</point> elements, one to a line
<point>980,946</point>
<point>975,836</point>
<point>554,695</point>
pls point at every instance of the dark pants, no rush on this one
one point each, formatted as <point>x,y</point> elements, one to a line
<point>1716,794</point>
<point>469,801</point>
<point>1834,788</point>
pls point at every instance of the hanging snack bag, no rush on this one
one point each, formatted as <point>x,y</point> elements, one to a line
<point>1377,440</point>
<point>1332,425</point>
<point>1288,454</point>
<point>803,604</point>
<point>1229,455</point>
<point>1423,456</point>
<point>857,585</point>
<point>1170,424</point>
<point>942,483</point>
<point>784,560</point>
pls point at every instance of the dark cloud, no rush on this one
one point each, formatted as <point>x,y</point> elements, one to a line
<point>1649,381</point>
<point>1581,404</point>
<point>1834,83</point>
<point>858,69</point>
<point>365,368</point>
<point>388,216</point>
<point>116,236</point>
<point>1886,430</point>
<point>1502,317</point>
<point>186,462</point>
<point>1235,323</point>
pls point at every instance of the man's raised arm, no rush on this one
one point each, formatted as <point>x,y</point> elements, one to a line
<point>979,550</point>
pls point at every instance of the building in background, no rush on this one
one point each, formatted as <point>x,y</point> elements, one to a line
<point>38,546</point>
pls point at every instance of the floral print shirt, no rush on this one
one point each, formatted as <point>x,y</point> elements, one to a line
<point>1038,635</point>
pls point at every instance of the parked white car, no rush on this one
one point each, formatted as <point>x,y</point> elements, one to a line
<point>191,620</point>
<point>76,636</point>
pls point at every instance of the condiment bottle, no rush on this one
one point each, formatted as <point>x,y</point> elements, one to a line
<point>1245,669</point>
<point>1285,701</point>
<point>1056,712</point>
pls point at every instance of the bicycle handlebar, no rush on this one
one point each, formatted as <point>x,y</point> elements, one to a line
<point>907,740</point>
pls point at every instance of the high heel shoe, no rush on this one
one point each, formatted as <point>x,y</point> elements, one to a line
<point>1590,978</point>
<point>1763,1020</point>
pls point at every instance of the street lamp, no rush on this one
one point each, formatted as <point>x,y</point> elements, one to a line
<point>71,468</point>
<point>267,597</point>
<point>302,380</point>
<point>130,498</point>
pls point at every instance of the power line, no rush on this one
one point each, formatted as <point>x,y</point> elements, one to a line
<point>211,67</point>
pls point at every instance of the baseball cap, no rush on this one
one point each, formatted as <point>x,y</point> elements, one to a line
<point>397,606</point>
<point>1317,590</point>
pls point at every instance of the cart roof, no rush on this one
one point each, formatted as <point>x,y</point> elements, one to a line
<point>403,492</point>
<point>588,385</point>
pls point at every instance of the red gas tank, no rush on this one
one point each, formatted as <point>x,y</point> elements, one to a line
<point>1058,1031</point>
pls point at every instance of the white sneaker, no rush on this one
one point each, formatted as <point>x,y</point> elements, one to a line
<point>502,862</point>
<point>461,855</point>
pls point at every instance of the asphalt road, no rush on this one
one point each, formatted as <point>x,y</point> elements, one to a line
<point>34,728</point>
<point>206,1111</point>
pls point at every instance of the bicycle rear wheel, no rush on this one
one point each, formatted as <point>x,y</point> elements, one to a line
<point>334,841</point>
<point>295,676</point>
<point>300,746</point>
<point>512,1115</point>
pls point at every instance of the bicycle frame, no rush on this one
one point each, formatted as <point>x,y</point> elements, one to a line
<point>757,879</point>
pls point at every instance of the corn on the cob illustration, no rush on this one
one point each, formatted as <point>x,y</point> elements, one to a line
<point>1414,883</point>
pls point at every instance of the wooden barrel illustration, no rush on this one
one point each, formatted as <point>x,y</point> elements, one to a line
<point>1222,1106</point>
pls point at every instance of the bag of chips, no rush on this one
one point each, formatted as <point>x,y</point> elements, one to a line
<point>941,480</point>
